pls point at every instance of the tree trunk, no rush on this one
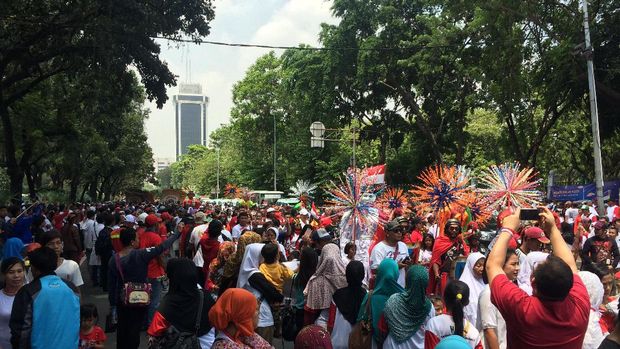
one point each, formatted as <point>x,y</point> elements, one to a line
<point>73,187</point>
<point>15,173</point>
<point>92,190</point>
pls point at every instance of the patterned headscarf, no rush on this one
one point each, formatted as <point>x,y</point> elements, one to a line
<point>232,267</point>
<point>313,337</point>
<point>329,277</point>
<point>405,312</point>
<point>226,250</point>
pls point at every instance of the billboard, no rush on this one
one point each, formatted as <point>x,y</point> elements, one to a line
<point>584,192</point>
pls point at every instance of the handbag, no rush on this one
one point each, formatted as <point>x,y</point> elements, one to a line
<point>175,339</point>
<point>133,294</point>
<point>289,323</point>
<point>361,333</point>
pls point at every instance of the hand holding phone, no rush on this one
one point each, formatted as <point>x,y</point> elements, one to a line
<point>529,214</point>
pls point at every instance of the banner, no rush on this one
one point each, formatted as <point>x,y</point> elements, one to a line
<point>584,192</point>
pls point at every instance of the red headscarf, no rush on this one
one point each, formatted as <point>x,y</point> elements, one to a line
<point>313,337</point>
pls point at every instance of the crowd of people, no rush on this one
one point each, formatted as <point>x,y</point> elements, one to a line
<point>217,276</point>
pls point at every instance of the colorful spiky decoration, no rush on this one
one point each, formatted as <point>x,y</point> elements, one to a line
<point>443,188</point>
<point>508,185</point>
<point>445,191</point>
<point>392,199</point>
<point>231,191</point>
<point>350,198</point>
<point>302,187</point>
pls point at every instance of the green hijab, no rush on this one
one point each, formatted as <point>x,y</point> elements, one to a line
<point>406,312</point>
<point>386,284</point>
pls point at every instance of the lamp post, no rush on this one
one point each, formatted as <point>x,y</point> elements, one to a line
<point>217,186</point>
<point>274,153</point>
<point>596,139</point>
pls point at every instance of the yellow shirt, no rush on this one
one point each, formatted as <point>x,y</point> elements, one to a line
<point>276,273</point>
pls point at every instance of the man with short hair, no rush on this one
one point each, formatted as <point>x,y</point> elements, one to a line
<point>243,221</point>
<point>600,249</point>
<point>392,247</point>
<point>46,312</point>
<point>559,307</point>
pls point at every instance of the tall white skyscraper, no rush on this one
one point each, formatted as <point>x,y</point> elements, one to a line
<point>190,108</point>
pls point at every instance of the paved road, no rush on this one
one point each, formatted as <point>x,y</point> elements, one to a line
<point>100,299</point>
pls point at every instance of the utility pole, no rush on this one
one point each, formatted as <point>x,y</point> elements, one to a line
<point>217,194</point>
<point>596,138</point>
<point>274,153</point>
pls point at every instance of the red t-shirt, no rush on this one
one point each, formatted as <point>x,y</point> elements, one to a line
<point>532,323</point>
<point>87,341</point>
<point>151,239</point>
<point>115,238</point>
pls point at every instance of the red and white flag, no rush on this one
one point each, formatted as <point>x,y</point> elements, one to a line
<point>375,174</point>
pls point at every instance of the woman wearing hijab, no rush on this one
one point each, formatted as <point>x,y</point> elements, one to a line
<point>407,313</point>
<point>386,284</point>
<point>251,279</point>
<point>231,269</point>
<point>234,317</point>
<point>328,278</point>
<point>345,306</point>
<point>13,248</point>
<point>472,276</point>
<point>179,307</point>
<point>532,259</point>
<point>216,267</point>
<point>594,333</point>
<point>313,337</point>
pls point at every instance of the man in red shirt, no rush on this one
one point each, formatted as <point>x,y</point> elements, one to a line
<point>155,272</point>
<point>559,307</point>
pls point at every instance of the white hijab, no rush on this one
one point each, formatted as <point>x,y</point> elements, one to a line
<point>594,333</point>
<point>476,285</point>
<point>531,261</point>
<point>249,264</point>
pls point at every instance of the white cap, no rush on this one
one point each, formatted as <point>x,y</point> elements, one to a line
<point>142,217</point>
<point>271,209</point>
<point>304,212</point>
<point>130,218</point>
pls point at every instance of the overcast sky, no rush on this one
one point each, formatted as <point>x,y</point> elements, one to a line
<point>217,68</point>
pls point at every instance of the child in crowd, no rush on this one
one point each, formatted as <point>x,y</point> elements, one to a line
<point>276,273</point>
<point>426,252</point>
<point>438,305</point>
<point>91,335</point>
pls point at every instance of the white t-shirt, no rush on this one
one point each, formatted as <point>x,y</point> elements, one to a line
<point>570,215</point>
<point>382,251</point>
<point>490,318</point>
<point>442,326</point>
<point>70,271</point>
<point>415,341</point>
<point>237,229</point>
<point>6,306</point>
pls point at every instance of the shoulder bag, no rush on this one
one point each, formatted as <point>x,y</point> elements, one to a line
<point>133,294</point>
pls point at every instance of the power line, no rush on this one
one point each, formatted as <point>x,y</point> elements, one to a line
<point>303,48</point>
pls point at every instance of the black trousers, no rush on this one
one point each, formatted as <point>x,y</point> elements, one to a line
<point>105,259</point>
<point>130,321</point>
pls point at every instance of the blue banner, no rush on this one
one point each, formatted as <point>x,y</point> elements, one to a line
<point>584,192</point>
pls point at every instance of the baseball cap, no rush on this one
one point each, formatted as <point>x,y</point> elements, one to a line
<point>271,209</point>
<point>536,233</point>
<point>599,225</point>
<point>142,217</point>
<point>393,224</point>
<point>585,207</point>
<point>304,212</point>
<point>130,218</point>
<point>200,217</point>
<point>152,219</point>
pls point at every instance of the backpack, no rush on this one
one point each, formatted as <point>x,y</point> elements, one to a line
<point>103,244</point>
<point>175,339</point>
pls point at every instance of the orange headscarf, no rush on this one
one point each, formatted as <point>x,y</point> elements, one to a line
<point>236,306</point>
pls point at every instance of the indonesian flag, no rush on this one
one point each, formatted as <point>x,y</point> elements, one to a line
<point>375,174</point>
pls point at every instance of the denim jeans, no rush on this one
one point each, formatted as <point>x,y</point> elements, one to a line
<point>156,286</point>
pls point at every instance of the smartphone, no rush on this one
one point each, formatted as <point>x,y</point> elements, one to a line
<point>529,214</point>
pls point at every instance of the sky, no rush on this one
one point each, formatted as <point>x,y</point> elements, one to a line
<point>218,68</point>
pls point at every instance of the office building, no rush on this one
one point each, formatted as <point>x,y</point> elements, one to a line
<point>190,108</point>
